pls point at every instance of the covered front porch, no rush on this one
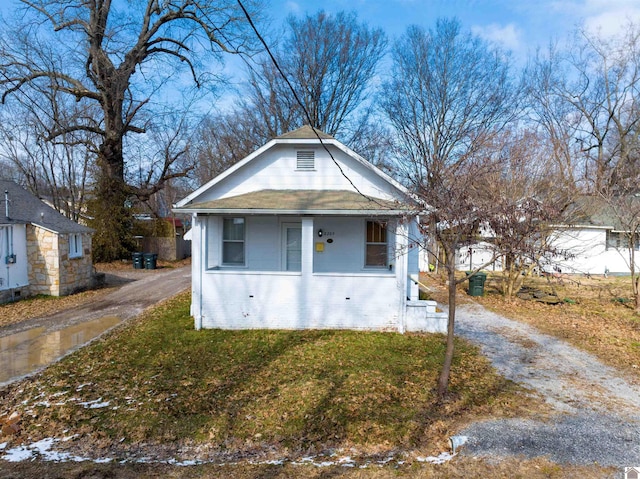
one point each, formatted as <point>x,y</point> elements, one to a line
<point>294,272</point>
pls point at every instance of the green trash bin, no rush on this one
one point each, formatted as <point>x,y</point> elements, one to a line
<point>476,284</point>
<point>137,261</point>
<point>150,260</point>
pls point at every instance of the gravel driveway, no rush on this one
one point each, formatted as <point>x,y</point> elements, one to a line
<point>595,411</point>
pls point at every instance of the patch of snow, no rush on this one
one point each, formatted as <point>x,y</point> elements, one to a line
<point>188,462</point>
<point>346,462</point>
<point>95,404</point>
<point>441,459</point>
<point>3,445</point>
<point>18,454</point>
<point>41,449</point>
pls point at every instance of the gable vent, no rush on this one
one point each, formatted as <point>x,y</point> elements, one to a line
<point>305,160</point>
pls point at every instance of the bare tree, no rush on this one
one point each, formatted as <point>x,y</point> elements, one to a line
<point>330,61</point>
<point>118,60</point>
<point>222,140</point>
<point>558,124</point>
<point>449,94</point>
<point>587,97</point>
<point>529,200</point>
<point>57,171</point>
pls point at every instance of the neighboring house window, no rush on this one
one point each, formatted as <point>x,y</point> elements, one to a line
<point>376,244</point>
<point>306,160</point>
<point>233,241</point>
<point>616,240</point>
<point>75,245</point>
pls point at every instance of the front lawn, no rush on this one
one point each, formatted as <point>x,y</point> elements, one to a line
<point>158,383</point>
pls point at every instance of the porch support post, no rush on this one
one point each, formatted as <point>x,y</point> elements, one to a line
<point>306,284</point>
<point>307,246</point>
<point>402,273</point>
<point>198,241</point>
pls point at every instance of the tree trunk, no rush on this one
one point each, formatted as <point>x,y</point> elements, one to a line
<point>112,220</point>
<point>443,381</point>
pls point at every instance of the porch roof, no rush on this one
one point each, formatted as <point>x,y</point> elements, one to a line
<point>297,202</point>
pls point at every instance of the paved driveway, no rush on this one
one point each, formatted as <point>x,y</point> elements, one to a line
<point>595,409</point>
<point>29,345</point>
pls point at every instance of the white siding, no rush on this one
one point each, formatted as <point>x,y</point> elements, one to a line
<point>276,169</point>
<point>13,275</point>
<point>236,300</point>
<point>477,255</point>
<point>260,295</point>
<point>343,241</point>
<point>584,251</point>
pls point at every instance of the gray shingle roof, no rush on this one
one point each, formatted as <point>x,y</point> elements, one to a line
<point>300,201</point>
<point>305,133</point>
<point>26,208</point>
<point>616,213</point>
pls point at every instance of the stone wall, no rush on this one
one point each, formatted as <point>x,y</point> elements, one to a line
<point>51,271</point>
<point>75,273</point>
<point>44,261</point>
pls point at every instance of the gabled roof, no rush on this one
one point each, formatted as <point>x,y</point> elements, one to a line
<point>297,202</point>
<point>304,135</point>
<point>26,208</point>
<point>305,132</point>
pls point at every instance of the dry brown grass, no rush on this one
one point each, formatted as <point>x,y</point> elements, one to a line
<point>41,306</point>
<point>461,467</point>
<point>595,314</point>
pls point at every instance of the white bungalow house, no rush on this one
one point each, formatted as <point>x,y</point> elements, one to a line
<point>304,233</point>
<point>41,251</point>
<point>594,241</point>
<point>597,239</point>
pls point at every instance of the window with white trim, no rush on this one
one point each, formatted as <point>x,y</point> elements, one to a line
<point>305,160</point>
<point>75,245</point>
<point>233,239</point>
<point>376,244</point>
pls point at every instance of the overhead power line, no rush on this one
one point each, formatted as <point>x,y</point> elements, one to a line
<point>297,98</point>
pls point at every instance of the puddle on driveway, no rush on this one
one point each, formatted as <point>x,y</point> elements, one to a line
<point>24,352</point>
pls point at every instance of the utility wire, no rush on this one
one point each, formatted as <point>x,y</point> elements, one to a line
<point>297,98</point>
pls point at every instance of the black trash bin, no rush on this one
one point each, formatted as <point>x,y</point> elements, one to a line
<point>476,283</point>
<point>137,261</point>
<point>150,260</point>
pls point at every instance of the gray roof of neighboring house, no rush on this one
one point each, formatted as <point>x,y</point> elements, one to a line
<point>615,213</point>
<point>27,208</point>
<point>299,202</point>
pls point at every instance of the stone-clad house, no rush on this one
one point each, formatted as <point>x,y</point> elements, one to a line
<point>41,251</point>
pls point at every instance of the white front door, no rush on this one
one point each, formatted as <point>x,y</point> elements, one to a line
<point>292,246</point>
